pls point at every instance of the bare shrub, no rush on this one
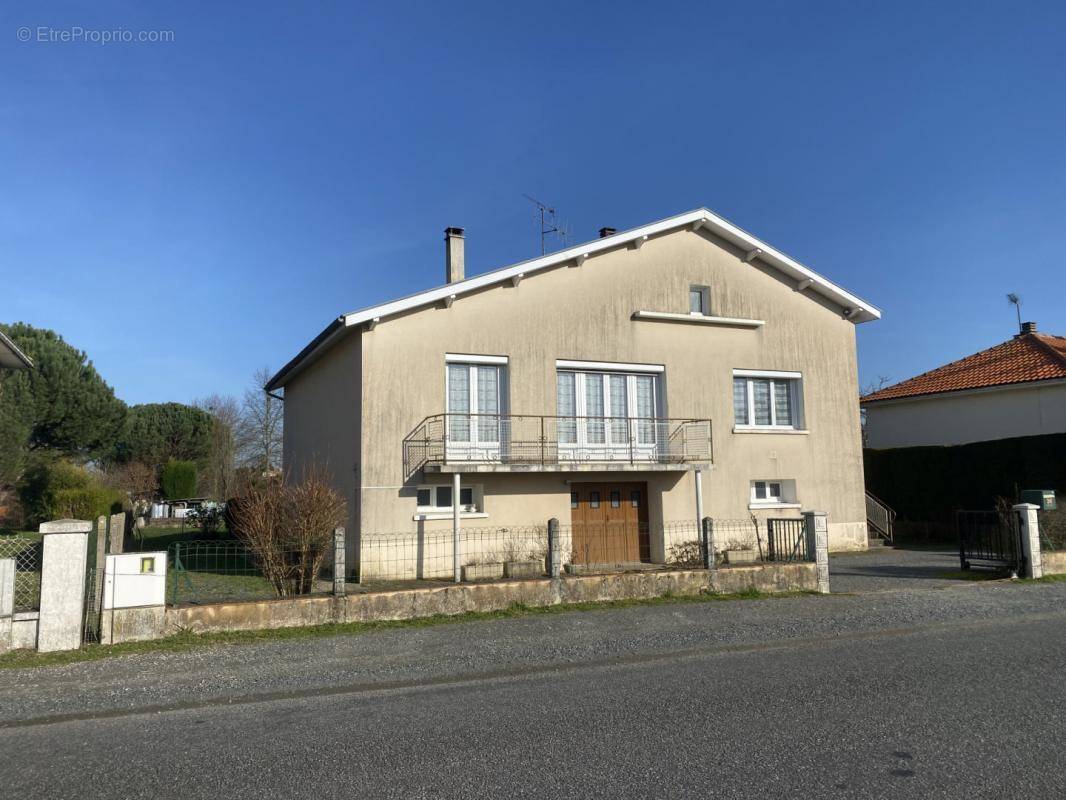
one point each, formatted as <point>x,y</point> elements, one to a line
<point>686,554</point>
<point>313,509</point>
<point>289,528</point>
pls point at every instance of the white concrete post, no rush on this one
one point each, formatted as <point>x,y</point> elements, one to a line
<point>699,496</point>
<point>455,528</point>
<point>63,563</point>
<point>7,601</point>
<point>816,529</point>
<point>7,587</point>
<point>1029,531</point>
<point>339,588</point>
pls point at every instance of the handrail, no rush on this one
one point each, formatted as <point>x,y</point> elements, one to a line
<point>553,439</point>
<point>880,517</point>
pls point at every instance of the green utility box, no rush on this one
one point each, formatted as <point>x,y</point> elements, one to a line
<point>1045,498</point>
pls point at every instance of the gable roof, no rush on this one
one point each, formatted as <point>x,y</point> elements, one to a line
<point>11,357</point>
<point>1026,357</point>
<point>855,308</point>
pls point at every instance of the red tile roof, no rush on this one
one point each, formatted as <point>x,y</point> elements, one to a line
<point>1026,357</point>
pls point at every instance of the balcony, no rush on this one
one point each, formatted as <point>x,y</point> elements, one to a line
<point>530,443</point>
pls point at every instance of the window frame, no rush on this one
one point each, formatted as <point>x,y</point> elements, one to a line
<point>705,300</point>
<point>608,425</point>
<point>476,506</point>
<point>794,382</point>
<point>786,498</point>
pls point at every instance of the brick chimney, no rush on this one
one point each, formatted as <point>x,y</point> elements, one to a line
<point>454,255</point>
<point>1028,327</point>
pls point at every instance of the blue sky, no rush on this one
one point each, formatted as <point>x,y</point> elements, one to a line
<point>189,211</point>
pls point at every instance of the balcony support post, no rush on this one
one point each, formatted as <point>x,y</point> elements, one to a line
<point>456,566</point>
<point>699,496</point>
<point>543,443</point>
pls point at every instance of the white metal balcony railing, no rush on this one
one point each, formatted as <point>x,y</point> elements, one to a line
<point>530,440</point>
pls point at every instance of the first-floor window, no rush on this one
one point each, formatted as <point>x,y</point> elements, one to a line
<point>769,400</point>
<point>474,393</point>
<point>439,498</point>
<point>607,408</point>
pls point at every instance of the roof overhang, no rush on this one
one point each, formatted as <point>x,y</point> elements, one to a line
<point>11,357</point>
<point>1040,383</point>
<point>852,307</point>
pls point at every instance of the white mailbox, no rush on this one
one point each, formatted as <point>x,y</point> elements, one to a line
<point>132,580</point>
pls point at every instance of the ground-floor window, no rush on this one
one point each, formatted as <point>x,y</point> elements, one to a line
<point>772,492</point>
<point>439,498</point>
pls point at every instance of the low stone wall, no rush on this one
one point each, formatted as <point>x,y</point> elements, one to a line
<point>24,630</point>
<point>1054,562</point>
<point>462,598</point>
<point>131,624</point>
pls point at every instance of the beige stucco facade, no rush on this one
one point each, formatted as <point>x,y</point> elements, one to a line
<point>979,415</point>
<point>352,407</point>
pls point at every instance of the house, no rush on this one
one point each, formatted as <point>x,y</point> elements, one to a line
<point>1014,389</point>
<point>677,370</point>
<point>11,357</point>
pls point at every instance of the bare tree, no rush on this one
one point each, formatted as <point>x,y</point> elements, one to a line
<point>218,475</point>
<point>874,386</point>
<point>261,426</point>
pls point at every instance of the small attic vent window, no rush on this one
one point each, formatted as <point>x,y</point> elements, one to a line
<point>699,300</point>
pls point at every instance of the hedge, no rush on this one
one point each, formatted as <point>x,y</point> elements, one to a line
<point>178,480</point>
<point>931,483</point>
<point>88,503</point>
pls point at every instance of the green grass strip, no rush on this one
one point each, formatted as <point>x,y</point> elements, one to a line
<point>187,640</point>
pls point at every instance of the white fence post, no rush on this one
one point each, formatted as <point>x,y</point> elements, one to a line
<point>64,558</point>
<point>456,555</point>
<point>1029,530</point>
<point>7,601</point>
<point>816,530</point>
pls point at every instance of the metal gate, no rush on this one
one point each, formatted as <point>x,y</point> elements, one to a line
<point>786,540</point>
<point>990,539</point>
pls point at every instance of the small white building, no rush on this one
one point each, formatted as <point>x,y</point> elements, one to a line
<point>1017,388</point>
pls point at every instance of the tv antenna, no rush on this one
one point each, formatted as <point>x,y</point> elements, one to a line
<point>548,223</point>
<point>1016,301</point>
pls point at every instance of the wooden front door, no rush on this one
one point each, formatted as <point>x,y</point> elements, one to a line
<point>609,522</point>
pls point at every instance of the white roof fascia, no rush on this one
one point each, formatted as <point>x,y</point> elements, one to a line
<point>862,311</point>
<point>13,358</point>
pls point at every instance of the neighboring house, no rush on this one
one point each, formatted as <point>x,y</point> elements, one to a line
<point>10,355</point>
<point>676,369</point>
<point>1017,388</point>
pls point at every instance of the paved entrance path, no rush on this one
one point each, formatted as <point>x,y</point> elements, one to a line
<point>890,569</point>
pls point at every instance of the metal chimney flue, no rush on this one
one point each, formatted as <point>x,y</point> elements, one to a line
<point>454,255</point>
<point>605,232</point>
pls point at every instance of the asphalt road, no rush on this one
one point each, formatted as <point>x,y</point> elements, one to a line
<point>955,692</point>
